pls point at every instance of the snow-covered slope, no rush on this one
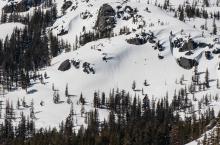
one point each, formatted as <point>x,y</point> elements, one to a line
<point>7,29</point>
<point>126,63</point>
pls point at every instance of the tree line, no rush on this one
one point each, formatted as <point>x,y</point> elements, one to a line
<point>28,50</point>
<point>131,121</point>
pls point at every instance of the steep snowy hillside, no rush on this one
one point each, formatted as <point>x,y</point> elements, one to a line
<point>7,29</point>
<point>147,51</point>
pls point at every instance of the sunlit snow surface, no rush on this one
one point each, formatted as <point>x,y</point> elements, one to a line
<point>130,62</point>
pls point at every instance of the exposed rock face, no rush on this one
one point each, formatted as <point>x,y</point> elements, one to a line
<point>66,5</point>
<point>187,63</point>
<point>64,66</point>
<point>106,19</point>
<point>104,24</point>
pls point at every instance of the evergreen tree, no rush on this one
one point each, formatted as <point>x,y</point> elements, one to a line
<point>214,27</point>
<point>206,3</point>
<point>66,91</point>
<point>181,16</point>
<point>207,78</point>
<point>82,100</point>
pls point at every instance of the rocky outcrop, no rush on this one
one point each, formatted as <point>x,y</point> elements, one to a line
<point>76,63</point>
<point>208,55</point>
<point>87,68</point>
<point>86,15</point>
<point>142,38</point>
<point>137,41</point>
<point>216,51</point>
<point>187,63</point>
<point>66,5</point>
<point>188,45</point>
<point>106,20</point>
<point>64,66</point>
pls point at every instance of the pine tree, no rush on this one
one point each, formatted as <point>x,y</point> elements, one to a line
<point>18,104</point>
<point>96,100</point>
<point>32,113</point>
<point>53,87</point>
<point>217,3</point>
<point>3,17</point>
<point>54,45</point>
<point>217,84</point>
<point>181,16</point>
<point>207,78</point>
<point>206,3</point>
<point>54,12</point>
<point>82,100</point>
<point>175,138</point>
<point>66,91</point>
<point>45,75</point>
<point>214,27</point>
<point>133,85</point>
<point>56,97</point>
<point>103,99</point>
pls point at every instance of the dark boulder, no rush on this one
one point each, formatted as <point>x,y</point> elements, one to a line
<point>64,66</point>
<point>202,45</point>
<point>216,51</point>
<point>87,68</point>
<point>189,53</point>
<point>137,41</point>
<point>187,63</point>
<point>128,9</point>
<point>75,63</point>
<point>208,55</point>
<point>106,19</point>
<point>177,43</point>
<point>160,56</point>
<point>151,40</point>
